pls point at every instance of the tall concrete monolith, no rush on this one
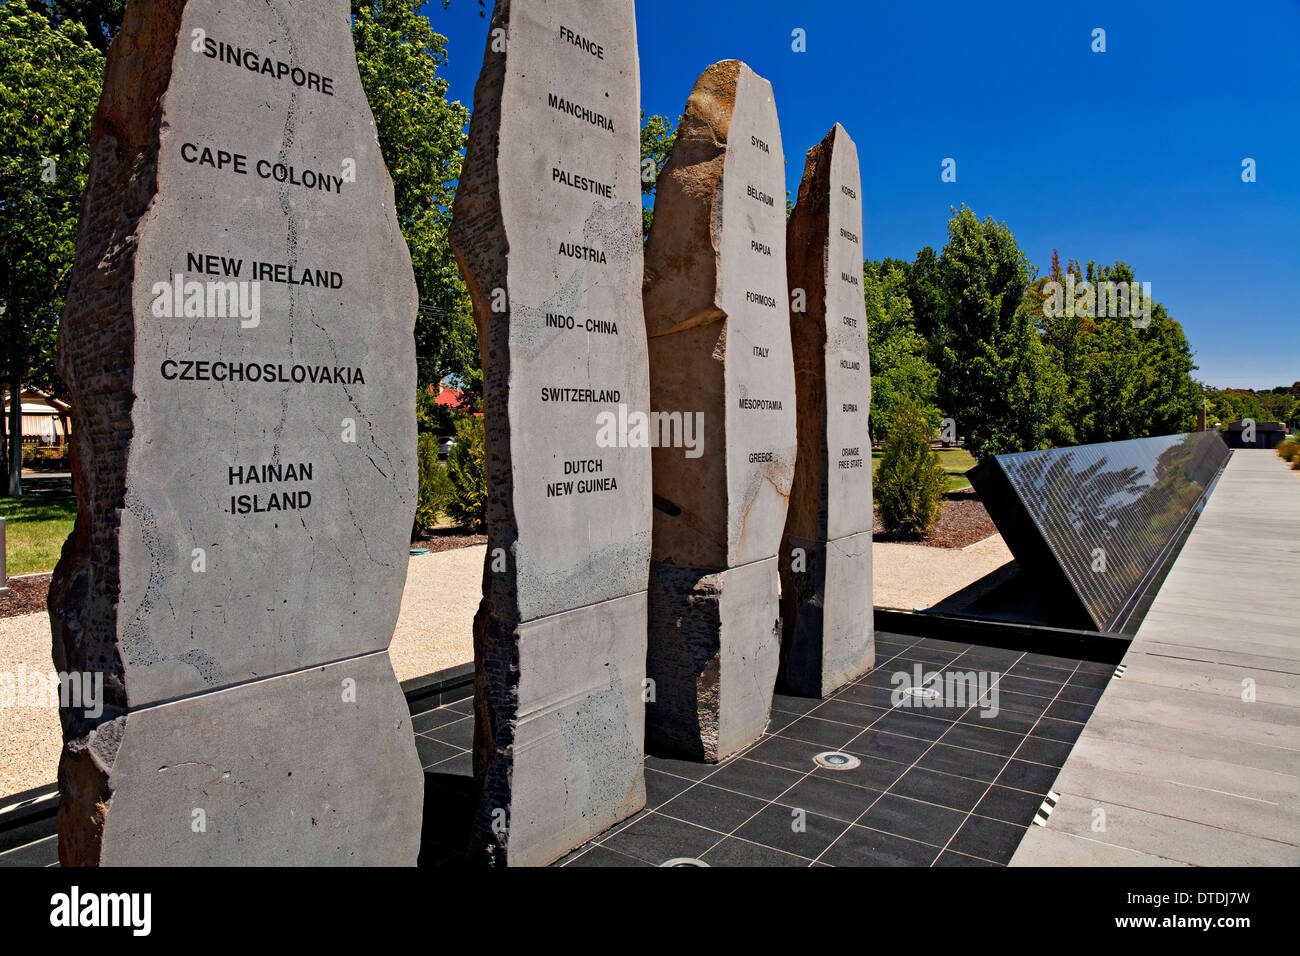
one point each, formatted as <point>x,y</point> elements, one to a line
<point>719,338</point>
<point>826,608</point>
<point>238,340</point>
<point>547,231</point>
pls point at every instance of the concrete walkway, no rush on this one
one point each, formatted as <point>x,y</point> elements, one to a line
<point>1192,757</point>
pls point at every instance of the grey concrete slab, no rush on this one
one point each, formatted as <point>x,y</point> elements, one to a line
<point>1164,836</point>
<point>1194,754</point>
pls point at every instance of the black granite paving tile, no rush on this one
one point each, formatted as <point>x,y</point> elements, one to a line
<point>829,797</point>
<point>794,705</point>
<point>459,733</point>
<point>434,751</point>
<point>988,839</point>
<point>828,734</point>
<point>736,852</point>
<point>868,694</point>
<point>756,779</point>
<point>1010,806</point>
<point>711,807</point>
<point>1080,694</point>
<point>1034,777</point>
<point>1007,720</point>
<point>884,676</point>
<point>959,793</point>
<point>1066,731</point>
<point>1095,667</point>
<point>934,643</point>
<point>801,833</point>
<point>985,739</point>
<point>885,746</point>
<point>1086,679</point>
<point>422,723</point>
<point>1041,672</point>
<point>907,724</point>
<point>924,822</point>
<point>41,853</point>
<point>1029,686</point>
<point>856,715</point>
<point>1056,663</point>
<point>463,706</point>
<point>660,786</point>
<point>963,762</point>
<point>461,765</point>
<point>604,856</point>
<point>862,846</point>
<point>656,839</point>
<point>1070,710</point>
<point>1042,750</point>
<point>784,752</point>
<point>1017,703</point>
<point>779,720</point>
<point>986,659</point>
<point>949,858</point>
<point>873,774</point>
<point>690,769</point>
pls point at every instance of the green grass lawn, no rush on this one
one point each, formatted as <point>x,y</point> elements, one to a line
<point>36,525</point>
<point>956,462</point>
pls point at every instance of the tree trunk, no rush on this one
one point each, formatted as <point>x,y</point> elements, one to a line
<point>15,436</point>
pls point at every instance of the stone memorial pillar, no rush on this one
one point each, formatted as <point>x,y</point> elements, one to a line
<point>826,607</point>
<point>719,334</point>
<point>238,339</point>
<point>547,231</point>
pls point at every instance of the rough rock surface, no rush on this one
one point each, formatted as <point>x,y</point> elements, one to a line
<point>547,232</point>
<point>245,473</point>
<point>826,611</point>
<point>719,342</point>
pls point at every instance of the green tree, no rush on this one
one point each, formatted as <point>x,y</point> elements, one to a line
<point>899,367</point>
<point>50,77</point>
<point>467,472</point>
<point>100,18</point>
<point>911,482</point>
<point>657,138</point>
<point>996,378</point>
<point>435,487</point>
<point>421,136</point>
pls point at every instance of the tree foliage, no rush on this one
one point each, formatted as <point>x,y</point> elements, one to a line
<point>911,481</point>
<point>421,136</point>
<point>899,366</point>
<point>467,472</point>
<point>50,77</point>
<point>995,377</point>
<point>658,135</point>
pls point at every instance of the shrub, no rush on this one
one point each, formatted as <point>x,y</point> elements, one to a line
<point>911,482</point>
<point>1289,449</point>
<point>434,487</point>
<point>467,473</point>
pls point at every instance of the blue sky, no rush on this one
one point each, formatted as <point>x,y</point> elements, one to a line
<point>1131,154</point>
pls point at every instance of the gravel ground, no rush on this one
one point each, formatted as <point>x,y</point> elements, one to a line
<point>26,595</point>
<point>435,631</point>
<point>963,522</point>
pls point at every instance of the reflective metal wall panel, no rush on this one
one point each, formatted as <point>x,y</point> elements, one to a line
<point>1097,521</point>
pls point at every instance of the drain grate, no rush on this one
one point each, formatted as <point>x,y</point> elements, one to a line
<point>836,760</point>
<point>683,861</point>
